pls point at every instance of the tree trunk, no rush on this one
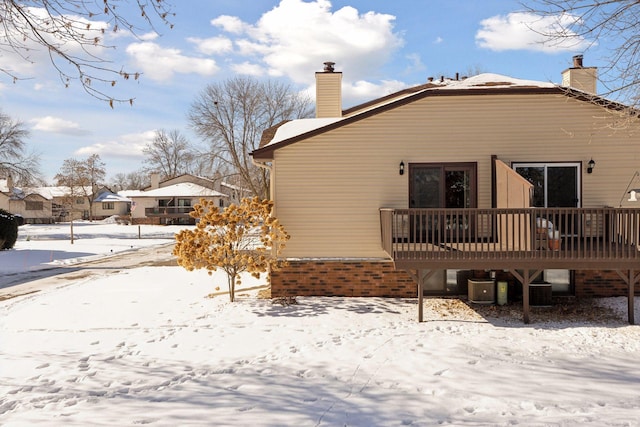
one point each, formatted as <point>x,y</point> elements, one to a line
<point>231,280</point>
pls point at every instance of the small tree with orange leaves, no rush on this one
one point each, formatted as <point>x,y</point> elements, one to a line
<point>240,238</point>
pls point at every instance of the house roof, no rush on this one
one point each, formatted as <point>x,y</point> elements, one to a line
<point>56,191</point>
<point>184,189</point>
<point>482,84</point>
<point>106,196</point>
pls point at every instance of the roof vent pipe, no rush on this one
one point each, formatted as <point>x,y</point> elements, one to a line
<point>577,61</point>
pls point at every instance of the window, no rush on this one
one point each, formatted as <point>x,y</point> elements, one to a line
<point>442,185</point>
<point>555,185</point>
<point>34,206</point>
<point>184,202</point>
<point>108,206</point>
<point>80,201</point>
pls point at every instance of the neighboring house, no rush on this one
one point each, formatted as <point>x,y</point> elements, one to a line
<point>234,193</point>
<point>108,204</point>
<point>45,205</point>
<point>65,204</point>
<point>34,206</point>
<point>447,180</point>
<point>171,201</point>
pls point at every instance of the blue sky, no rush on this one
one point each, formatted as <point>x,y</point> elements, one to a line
<point>380,46</point>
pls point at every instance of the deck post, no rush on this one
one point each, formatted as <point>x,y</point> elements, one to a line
<point>630,279</point>
<point>420,299</point>
<point>525,279</point>
<point>525,296</point>
<point>420,276</point>
<point>630,297</point>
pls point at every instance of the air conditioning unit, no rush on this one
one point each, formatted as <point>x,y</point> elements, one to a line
<point>482,291</point>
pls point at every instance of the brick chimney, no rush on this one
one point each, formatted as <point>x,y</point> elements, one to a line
<point>580,77</point>
<point>328,92</point>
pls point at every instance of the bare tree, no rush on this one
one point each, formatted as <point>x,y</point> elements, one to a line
<point>232,115</point>
<point>13,158</point>
<point>615,21</point>
<point>94,169</point>
<point>69,176</point>
<point>170,154</point>
<point>71,33</point>
<point>129,181</point>
<point>82,178</point>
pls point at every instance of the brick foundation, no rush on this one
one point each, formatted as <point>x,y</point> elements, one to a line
<point>366,278</point>
<point>601,283</point>
<point>342,278</point>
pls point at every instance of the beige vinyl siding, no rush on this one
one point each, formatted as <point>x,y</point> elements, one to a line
<point>328,189</point>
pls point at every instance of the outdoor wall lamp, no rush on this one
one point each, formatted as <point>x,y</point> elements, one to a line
<point>632,195</point>
<point>401,171</point>
<point>590,166</point>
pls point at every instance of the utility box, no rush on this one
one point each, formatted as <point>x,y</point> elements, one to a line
<point>540,294</point>
<point>482,291</point>
<point>502,288</point>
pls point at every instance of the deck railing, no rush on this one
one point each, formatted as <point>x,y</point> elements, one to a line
<point>512,238</point>
<point>168,211</point>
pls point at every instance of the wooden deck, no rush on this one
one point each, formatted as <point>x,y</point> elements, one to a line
<point>522,241</point>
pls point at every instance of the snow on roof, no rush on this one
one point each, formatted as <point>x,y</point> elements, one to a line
<point>110,197</point>
<point>300,126</point>
<point>52,192</point>
<point>184,189</point>
<point>490,80</point>
<point>130,193</point>
<point>481,81</point>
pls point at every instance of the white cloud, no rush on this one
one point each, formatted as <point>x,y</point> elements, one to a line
<point>294,47</point>
<point>149,36</point>
<point>438,40</point>
<point>362,90</point>
<point>161,64</point>
<point>249,69</point>
<point>126,146</point>
<point>230,24</point>
<point>526,31</point>
<point>212,45</point>
<point>57,125</point>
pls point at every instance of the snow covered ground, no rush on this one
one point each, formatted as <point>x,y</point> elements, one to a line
<point>148,346</point>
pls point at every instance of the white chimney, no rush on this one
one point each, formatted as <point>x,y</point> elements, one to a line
<point>328,92</point>
<point>155,180</point>
<point>580,77</point>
